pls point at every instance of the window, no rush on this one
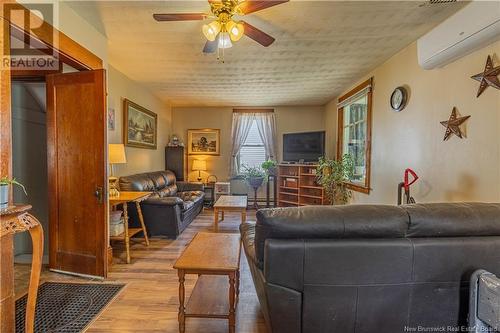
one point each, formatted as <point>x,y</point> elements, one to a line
<point>354,137</point>
<point>252,152</point>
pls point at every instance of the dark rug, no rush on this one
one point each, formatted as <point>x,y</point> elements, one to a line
<point>66,307</point>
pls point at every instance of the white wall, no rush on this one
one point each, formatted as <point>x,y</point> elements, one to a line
<point>138,159</point>
<point>456,170</point>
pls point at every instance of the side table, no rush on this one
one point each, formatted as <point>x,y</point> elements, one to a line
<point>210,187</point>
<point>16,219</point>
<point>123,199</point>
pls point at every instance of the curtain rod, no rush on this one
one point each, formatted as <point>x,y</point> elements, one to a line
<point>252,110</point>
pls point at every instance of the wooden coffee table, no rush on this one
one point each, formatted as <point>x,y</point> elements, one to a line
<point>233,203</point>
<point>216,259</point>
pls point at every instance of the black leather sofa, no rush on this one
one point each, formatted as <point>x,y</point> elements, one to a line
<point>370,268</point>
<point>172,206</point>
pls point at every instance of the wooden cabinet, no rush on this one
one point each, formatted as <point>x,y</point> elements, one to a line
<point>297,186</point>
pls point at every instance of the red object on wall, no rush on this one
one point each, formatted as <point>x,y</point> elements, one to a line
<point>407,182</point>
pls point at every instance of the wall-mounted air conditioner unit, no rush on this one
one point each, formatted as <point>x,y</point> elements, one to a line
<point>473,27</point>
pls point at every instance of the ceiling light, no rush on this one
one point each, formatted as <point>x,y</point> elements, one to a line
<point>211,30</point>
<point>224,41</point>
<point>235,30</point>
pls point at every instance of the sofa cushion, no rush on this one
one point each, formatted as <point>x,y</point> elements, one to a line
<point>168,191</point>
<point>149,182</point>
<point>453,219</point>
<point>323,222</point>
<point>158,179</point>
<point>140,182</point>
<point>190,195</point>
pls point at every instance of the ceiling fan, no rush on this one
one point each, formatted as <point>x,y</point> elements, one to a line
<point>224,29</point>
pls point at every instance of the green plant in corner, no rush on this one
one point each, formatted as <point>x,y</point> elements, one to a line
<point>334,175</point>
<point>269,166</point>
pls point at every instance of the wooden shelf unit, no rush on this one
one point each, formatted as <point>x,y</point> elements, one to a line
<point>297,186</point>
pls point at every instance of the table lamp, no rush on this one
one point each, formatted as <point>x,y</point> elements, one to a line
<point>116,155</point>
<point>199,165</point>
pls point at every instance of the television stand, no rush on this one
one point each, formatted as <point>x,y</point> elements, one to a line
<point>297,186</point>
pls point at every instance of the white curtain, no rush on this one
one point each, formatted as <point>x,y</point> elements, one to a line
<point>266,124</point>
<point>239,133</point>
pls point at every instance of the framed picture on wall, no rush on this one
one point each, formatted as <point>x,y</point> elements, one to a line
<point>140,126</point>
<point>111,119</point>
<point>204,141</point>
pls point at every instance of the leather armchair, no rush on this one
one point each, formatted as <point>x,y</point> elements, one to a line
<point>369,268</point>
<point>172,206</point>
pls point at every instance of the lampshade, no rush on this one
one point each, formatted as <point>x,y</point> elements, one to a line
<point>116,153</point>
<point>235,30</point>
<point>211,30</point>
<point>224,41</point>
<point>199,165</point>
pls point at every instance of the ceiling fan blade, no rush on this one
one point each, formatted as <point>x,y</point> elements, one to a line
<point>257,35</point>
<point>211,47</point>
<point>250,6</point>
<point>180,17</point>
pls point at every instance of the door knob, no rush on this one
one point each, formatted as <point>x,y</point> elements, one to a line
<point>99,193</point>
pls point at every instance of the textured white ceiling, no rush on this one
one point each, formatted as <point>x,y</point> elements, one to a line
<point>321,48</point>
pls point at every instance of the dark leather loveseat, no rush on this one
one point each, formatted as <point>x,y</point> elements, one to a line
<point>370,268</point>
<point>172,206</point>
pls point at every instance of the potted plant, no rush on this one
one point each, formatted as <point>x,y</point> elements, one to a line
<point>5,182</point>
<point>269,167</point>
<point>334,175</point>
<point>253,175</point>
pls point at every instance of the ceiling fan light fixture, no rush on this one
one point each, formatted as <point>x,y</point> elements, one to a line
<point>211,30</point>
<point>224,41</point>
<point>235,30</point>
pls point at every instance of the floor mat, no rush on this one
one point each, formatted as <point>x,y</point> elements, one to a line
<point>66,307</point>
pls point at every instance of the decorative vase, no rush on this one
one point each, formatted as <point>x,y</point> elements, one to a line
<point>255,182</point>
<point>4,196</point>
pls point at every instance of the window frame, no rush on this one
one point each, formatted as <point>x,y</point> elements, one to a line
<point>363,188</point>
<point>244,145</point>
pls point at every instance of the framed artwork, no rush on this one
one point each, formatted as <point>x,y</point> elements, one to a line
<point>204,141</point>
<point>111,119</point>
<point>140,126</point>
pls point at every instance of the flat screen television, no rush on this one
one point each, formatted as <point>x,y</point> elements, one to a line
<point>308,147</point>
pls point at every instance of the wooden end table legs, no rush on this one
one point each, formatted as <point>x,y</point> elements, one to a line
<point>182,308</point>
<point>36,234</point>
<point>141,219</point>
<point>125,224</point>
<point>126,234</point>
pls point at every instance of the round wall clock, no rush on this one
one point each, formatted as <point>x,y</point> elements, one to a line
<point>399,98</point>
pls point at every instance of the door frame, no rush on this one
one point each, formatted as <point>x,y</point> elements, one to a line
<point>69,52</point>
<point>66,49</point>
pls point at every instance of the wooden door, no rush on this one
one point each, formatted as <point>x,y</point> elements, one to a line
<point>76,144</point>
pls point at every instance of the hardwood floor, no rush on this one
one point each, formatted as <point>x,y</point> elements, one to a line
<point>149,301</point>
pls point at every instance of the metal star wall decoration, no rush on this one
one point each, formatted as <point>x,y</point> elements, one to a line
<point>453,125</point>
<point>489,77</point>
